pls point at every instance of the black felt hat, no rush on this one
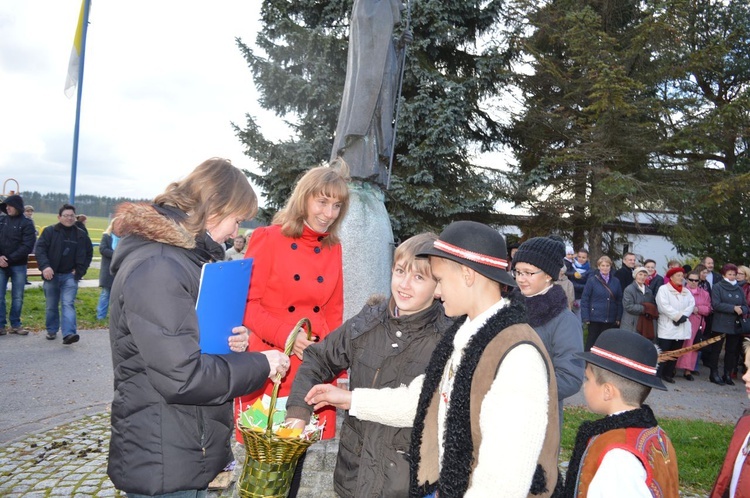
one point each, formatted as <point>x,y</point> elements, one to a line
<point>628,354</point>
<point>475,245</point>
<point>545,253</point>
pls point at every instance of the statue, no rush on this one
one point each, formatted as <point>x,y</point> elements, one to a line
<point>365,134</point>
<point>364,140</point>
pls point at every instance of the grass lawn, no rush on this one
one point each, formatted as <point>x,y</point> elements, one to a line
<point>700,446</point>
<point>32,315</point>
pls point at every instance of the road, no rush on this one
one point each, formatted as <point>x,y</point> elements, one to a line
<point>44,383</point>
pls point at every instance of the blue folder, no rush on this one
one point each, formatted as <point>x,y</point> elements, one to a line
<point>221,302</point>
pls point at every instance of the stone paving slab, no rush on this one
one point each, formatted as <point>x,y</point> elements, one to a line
<point>71,461</point>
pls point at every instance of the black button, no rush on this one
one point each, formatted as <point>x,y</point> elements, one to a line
<point>316,309</point>
<point>291,309</point>
<point>320,279</point>
<point>294,246</point>
<point>296,277</point>
<point>317,250</point>
<point>320,239</point>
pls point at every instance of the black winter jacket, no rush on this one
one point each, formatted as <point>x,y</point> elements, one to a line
<point>724,297</point>
<point>172,407</point>
<point>17,237</point>
<point>49,249</point>
<point>372,458</point>
<point>105,249</point>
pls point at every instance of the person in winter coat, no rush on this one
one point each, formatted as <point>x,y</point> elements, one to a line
<point>172,411</point>
<point>729,304</point>
<point>386,345</point>
<point>578,273</point>
<point>675,304</point>
<point>107,247</point>
<point>733,480</point>
<point>633,298</point>
<point>654,280</point>
<point>64,253</point>
<point>536,266</point>
<point>298,273</point>
<point>601,301</point>
<point>701,310</point>
<point>17,237</point>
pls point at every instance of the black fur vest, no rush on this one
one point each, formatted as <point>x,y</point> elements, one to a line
<point>458,448</point>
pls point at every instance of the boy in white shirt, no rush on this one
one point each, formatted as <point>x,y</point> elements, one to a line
<point>626,454</point>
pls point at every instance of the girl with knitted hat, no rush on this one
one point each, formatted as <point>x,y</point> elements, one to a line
<point>536,266</point>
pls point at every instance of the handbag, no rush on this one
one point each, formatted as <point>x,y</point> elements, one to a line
<point>744,323</point>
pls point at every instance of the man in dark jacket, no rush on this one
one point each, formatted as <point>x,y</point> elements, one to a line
<point>16,243</point>
<point>64,254</point>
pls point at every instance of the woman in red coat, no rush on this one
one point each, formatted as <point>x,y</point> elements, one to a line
<point>297,273</point>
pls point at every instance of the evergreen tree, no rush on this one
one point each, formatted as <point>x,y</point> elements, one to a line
<point>588,121</point>
<point>707,129</point>
<point>451,72</point>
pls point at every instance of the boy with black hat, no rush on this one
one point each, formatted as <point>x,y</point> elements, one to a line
<point>625,454</point>
<point>487,419</point>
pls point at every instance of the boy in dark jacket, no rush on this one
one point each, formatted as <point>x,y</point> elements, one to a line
<point>386,345</point>
<point>626,454</point>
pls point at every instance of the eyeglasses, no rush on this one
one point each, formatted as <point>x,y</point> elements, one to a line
<point>524,274</point>
<point>694,280</point>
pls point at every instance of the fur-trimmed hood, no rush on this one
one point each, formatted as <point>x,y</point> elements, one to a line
<point>139,224</point>
<point>154,223</point>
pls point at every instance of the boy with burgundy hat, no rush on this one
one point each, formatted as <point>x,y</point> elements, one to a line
<point>626,454</point>
<point>487,420</point>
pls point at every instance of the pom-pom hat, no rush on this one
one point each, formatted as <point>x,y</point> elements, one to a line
<point>628,354</point>
<point>475,245</point>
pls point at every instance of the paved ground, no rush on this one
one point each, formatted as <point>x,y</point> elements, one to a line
<point>54,423</point>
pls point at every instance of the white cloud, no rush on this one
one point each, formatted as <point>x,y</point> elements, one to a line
<point>163,80</point>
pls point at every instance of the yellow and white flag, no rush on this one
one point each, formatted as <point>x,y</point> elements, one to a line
<point>75,56</point>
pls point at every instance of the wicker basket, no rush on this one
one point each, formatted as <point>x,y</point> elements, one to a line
<point>270,460</point>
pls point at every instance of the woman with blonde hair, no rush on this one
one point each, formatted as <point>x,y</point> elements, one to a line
<point>172,412</point>
<point>298,273</point>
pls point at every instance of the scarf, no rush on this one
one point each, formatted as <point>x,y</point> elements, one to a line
<point>676,287</point>
<point>581,268</point>
<point>641,417</point>
<point>605,277</point>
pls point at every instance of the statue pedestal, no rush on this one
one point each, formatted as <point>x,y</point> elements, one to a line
<point>367,247</point>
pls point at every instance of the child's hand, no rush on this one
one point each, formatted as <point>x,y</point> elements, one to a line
<point>328,395</point>
<point>301,343</point>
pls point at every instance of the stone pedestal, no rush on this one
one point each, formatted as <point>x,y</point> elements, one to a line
<point>367,245</point>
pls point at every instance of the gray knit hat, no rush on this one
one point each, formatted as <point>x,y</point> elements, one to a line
<point>544,253</point>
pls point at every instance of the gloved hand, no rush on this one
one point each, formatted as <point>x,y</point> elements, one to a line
<point>682,320</point>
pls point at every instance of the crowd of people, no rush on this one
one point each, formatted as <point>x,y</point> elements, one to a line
<point>468,330</point>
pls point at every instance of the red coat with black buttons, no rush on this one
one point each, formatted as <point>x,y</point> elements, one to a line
<point>292,279</point>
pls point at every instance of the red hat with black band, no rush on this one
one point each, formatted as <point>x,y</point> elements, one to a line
<point>628,354</point>
<point>475,245</point>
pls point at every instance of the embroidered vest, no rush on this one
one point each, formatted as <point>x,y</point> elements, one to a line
<point>482,379</point>
<point>724,479</point>
<point>651,446</point>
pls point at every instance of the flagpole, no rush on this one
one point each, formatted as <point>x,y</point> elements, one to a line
<point>74,163</point>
